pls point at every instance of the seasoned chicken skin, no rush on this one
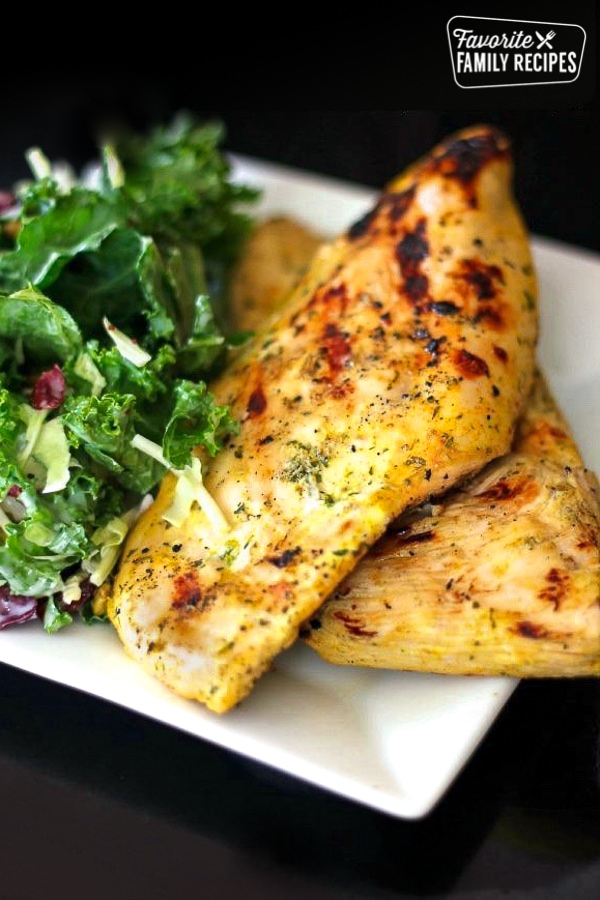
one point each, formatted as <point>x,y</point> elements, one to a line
<point>397,368</point>
<point>500,577</point>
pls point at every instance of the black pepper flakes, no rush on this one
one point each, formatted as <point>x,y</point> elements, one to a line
<point>285,558</point>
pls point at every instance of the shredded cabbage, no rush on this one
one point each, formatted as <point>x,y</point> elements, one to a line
<point>52,450</point>
<point>128,348</point>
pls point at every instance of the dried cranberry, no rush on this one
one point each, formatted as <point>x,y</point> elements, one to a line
<point>14,490</point>
<point>7,201</point>
<point>49,389</point>
<point>87,592</point>
<point>15,609</point>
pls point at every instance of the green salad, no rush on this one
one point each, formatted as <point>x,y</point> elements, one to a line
<point>112,322</point>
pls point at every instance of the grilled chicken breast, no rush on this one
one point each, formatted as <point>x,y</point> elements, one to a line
<point>398,609</point>
<point>500,577</point>
<point>397,368</point>
<point>397,601</point>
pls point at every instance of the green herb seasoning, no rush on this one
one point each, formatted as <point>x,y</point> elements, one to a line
<point>305,466</point>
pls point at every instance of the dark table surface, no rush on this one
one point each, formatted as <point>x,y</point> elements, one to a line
<point>99,802</point>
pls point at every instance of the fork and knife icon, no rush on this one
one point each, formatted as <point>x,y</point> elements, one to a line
<point>545,41</point>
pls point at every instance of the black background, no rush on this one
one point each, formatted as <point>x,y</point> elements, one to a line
<point>556,153</point>
<point>66,112</point>
<point>387,88</point>
<point>98,802</point>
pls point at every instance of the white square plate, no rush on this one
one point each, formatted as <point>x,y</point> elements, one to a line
<point>390,740</point>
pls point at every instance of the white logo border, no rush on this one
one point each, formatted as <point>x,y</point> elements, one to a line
<point>469,87</point>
